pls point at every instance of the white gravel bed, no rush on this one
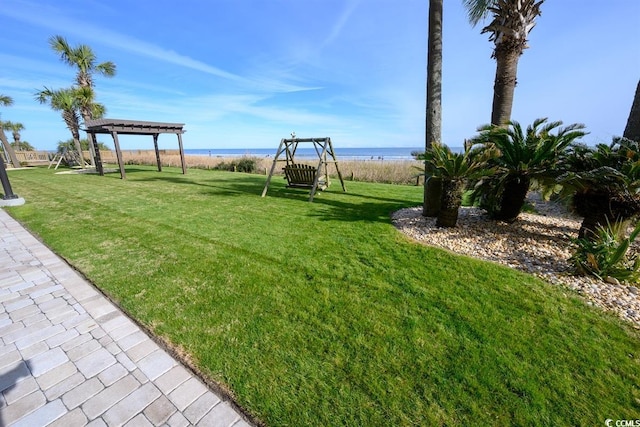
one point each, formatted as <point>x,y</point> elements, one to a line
<point>535,243</point>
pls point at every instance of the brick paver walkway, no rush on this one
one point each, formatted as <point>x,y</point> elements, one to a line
<point>68,357</point>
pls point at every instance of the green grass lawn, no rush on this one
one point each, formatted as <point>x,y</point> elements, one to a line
<point>322,313</point>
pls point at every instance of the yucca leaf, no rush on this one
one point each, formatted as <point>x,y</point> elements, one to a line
<point>620,252</point>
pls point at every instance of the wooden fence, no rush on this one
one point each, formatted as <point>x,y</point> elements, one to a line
<point>34,158</point>
<point>43,158</point>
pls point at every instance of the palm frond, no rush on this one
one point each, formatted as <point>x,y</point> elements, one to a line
<point>477,10</point>
<point>6,101</point>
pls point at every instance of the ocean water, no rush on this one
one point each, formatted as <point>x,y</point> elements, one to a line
<point>307,152</point>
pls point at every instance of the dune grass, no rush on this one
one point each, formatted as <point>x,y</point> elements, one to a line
<point>322,313</point>
<point>381,171</point>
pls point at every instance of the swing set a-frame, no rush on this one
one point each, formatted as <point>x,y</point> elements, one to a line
<point>300,175</point>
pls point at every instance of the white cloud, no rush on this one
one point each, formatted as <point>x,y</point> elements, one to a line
<point>55,20</point>
<point>341,22</point>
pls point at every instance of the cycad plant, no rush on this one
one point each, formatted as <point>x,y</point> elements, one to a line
<point>454,169</point>
<point>603,182</point>
<point>525,156</point>
<point>606,253</point>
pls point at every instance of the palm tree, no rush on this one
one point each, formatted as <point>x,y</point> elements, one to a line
<point>15,129</point>
<point>524,156</point>
<point>83,59</point>
<point>632,129</point>
<point>433,186</point>
<point>511,24</point>
<point>65,101</point>
<point>87,104</point>
<point>6,101</point>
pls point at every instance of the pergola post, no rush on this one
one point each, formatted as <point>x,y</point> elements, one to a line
<point>155,146</point>
<point>116,143</point>
<point>184,164</point>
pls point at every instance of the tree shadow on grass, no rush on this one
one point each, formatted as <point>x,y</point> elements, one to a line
<point>127,170</point>
<point>351,206</point>
<point>375,210</point>
<point>216,187</point>
<point>333,204</point>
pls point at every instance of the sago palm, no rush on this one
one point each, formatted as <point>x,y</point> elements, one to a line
<point>603,182</point>
<point>524,156</point>
<point>454,169</point>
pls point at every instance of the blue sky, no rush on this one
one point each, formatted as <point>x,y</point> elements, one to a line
<point>246,73</point>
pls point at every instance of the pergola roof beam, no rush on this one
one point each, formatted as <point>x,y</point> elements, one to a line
<point>132,127</point>
<point>114,127</point>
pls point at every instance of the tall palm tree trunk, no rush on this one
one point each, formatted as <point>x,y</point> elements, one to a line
<point>76,142</point>
<point>632,130</point>
<point>8,148</point>
<point>432,196</point>
<point>504,85</point>
<point>433,187</point>
<point>434,74</point>
<point>86,116</point>
<point>71,120</point>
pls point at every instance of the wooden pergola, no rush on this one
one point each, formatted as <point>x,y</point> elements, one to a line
<point>132,127</point>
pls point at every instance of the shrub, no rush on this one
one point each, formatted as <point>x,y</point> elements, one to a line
<point>244,164</point>
<point>224,166</point>
<point>22,146</point>
<point>84,143</point>
<point>247,164</point>
<point>606,254</point>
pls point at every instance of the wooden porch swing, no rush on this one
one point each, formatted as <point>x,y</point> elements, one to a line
<point>301,175</point>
